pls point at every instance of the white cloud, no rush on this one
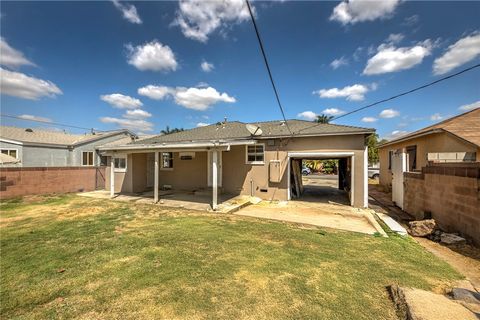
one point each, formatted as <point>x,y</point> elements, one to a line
<point>391,59</point>
<point>121,101</point>
<point>152,56</point>
<point>459,53</point>
<point>395,38</point>
<point>471,106</point>
<point>156,92</point>
<point>333,112</point>
<point>22,86</point>
<point>202,84</point>
<point>137,114</point>
<point>307,115</point>
<point>337,63</point>
<point>369,119</point>
<point>129,11</point>
<point>389,113</point>
<point>11,57</point>
<point>436,117</point>
<point>411,21</point>
<point>34,118</point>
<point>355,92</point>
<point>191,98</point>
<point>202,124</point>
<point>354,11</point>
<point>132,124</point>
<point>395,134</point>
<point>199,18</point>
<point>200,98</point>
<point>206,66</point>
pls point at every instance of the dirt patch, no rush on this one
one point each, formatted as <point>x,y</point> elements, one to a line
<point>466,265</point>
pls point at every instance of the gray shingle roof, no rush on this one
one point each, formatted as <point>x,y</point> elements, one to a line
<point>42,136</point>
<point>237,130</point>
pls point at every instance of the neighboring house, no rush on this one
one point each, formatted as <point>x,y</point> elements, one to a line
<point>234,158</point>
<point>454,140</point>
<point>47,148</point>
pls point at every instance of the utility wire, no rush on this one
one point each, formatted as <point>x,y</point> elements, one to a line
<point>48,122</point>
<point>399,95</point>
<point>267,65</point>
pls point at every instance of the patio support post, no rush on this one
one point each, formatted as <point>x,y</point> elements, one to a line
<point>155,184</point>
<point>112,176</point>
<point>214,179</point>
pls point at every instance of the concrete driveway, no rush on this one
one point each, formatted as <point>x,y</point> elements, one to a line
<point>322,205</point>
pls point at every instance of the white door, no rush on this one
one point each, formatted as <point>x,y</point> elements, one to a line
<point>399,166</point>
<point>209,169</point>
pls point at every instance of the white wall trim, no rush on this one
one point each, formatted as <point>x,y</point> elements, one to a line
<point>11,141</point>
<point>365,177</point>
<point>319,154</point>
<point>322,155</point>
<point>352,182</point>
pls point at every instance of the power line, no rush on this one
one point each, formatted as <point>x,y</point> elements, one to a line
<point>400,94</point>
<point>47,122</point>
<point>267,65</point>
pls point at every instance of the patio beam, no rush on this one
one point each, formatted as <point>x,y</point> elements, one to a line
<point>155,184</point>
<point>112,176</point>
<point>214,179</point>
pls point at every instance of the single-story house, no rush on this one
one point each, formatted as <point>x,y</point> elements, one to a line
<point>259,159</point>
<point>455,140</point>
<point>48,148</point>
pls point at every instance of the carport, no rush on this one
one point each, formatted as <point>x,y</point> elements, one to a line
<point>346,174</point>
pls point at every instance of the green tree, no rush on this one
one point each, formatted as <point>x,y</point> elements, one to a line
<point>167,130</point>
<point>323,118</point>
<point>372,143</point>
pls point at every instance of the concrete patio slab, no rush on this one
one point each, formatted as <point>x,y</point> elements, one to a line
<point>330,215</point>
<point>178,199</point>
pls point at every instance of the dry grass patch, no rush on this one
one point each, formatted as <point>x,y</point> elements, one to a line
<point>71,257</point>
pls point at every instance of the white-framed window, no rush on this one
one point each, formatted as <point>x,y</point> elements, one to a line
<point>167,161</point>
<point>10,152</point>
<point>87,158</point>
<point>255,153</point>
<point>120,163</point>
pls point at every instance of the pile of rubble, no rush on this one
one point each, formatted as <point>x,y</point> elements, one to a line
<point>429,229</point>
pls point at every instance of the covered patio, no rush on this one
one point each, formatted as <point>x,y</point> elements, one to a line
<point>227,203</point>
<point>186,175</point>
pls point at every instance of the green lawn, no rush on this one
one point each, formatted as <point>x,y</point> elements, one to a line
<point>73,257</point>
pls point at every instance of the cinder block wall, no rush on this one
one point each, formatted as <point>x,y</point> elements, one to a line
<point>451,193</point>
<point>17,182</point>
<point>414,195</point>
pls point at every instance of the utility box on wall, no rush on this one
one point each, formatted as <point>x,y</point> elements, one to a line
<point>274,171</point>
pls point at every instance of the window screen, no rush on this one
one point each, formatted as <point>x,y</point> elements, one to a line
<point>87,158</point>
<point>255,153</point>
<point>10,152</point>
<point>120,163</point>
<point>167,160</point>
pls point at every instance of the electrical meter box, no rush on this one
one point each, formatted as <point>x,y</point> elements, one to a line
<point>274,171</point>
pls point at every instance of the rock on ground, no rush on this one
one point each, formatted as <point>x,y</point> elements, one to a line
<point>416,304</point>
<point>422,228</point>
<point>450,238</point>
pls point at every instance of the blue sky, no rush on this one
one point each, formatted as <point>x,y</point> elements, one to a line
<point>139,64</point>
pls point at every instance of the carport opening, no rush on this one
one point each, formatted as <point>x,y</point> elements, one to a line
<point>321,180</point>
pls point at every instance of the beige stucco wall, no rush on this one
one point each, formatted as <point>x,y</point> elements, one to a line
<point>186,174</point>
<point>438,142</point>
<point>240,177</point>
<point>243,178</point>
<point>135,177</point>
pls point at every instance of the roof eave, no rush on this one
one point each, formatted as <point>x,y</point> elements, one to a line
<point>411,136</point>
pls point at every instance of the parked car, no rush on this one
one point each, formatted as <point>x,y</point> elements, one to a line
<point>374,173</point>
<point>306,171</point>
